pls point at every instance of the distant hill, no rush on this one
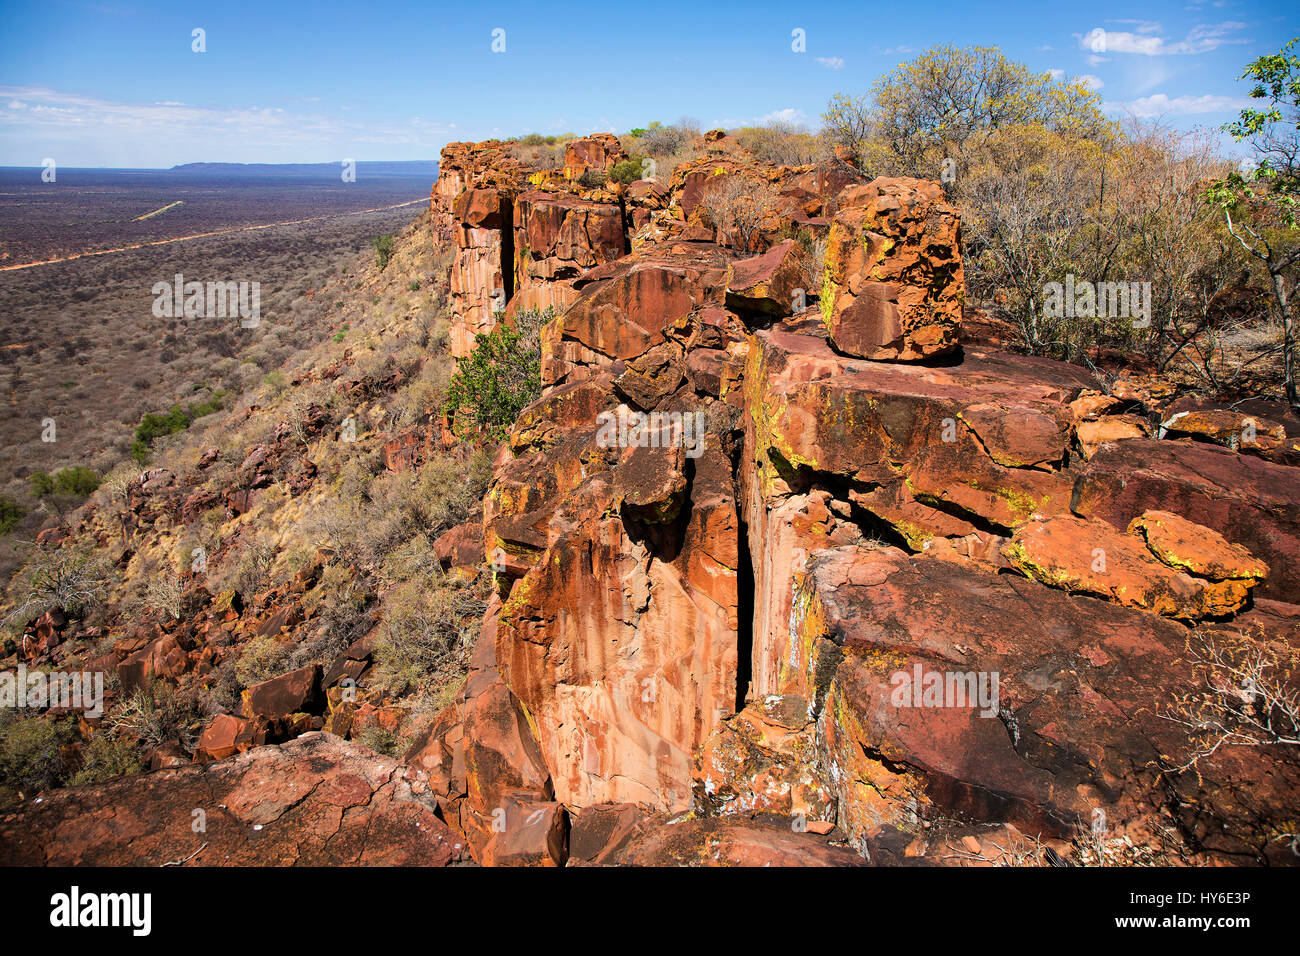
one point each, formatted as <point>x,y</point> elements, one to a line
<point>414,168</point>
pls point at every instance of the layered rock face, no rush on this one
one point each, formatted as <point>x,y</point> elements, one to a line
<point>520,230</point>
<point>773,545</point>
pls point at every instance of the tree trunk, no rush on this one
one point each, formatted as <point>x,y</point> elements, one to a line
<point>1288,363</point>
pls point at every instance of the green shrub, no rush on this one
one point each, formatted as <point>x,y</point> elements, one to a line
<point>176,419</point>
<point>78,481</point>
<point>383,250</point>
<point>627,171</point>
<point>107,758</point>
<point>11,512</point>
<point>499,378</point>
<point>32,755</point>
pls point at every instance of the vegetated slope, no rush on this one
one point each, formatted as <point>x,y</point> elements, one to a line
<point>80,345</point>
<point>270,536</point>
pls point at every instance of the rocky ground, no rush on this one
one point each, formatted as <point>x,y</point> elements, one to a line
<point>912,599</point>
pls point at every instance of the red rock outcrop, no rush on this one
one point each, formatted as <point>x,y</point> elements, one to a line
<point>720,626</point>
<point>317,801</point>
<point>893,285</point>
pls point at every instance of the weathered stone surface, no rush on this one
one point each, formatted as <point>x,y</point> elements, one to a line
<point>599,151</point>
<point>764,760</point>
<point>221,738</point>
<point>812,412</point>
<point>1196,549</point>
<point>1076,724</point>
<point>316,801</point>
<point>728,841</point>
<point>893,283</point>
<point>768,283</point>
<point>295,692</point>
<point>1092,557</point>
<point>527,832</point>
<point>461,546</point>
<point>1251,502</point>
<point>625,314</point>
<point>1094,433</point>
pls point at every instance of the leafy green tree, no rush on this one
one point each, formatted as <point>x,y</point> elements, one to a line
<point>1259,204</point>
<point>499,378</point>
<point>947,100</point>
<point>177,419</point>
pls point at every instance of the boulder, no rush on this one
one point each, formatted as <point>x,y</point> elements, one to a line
<point>769,283</point>
<point>1249,501</point>
<point>292,693</point>
<point>1089,556</point>
<point>893,284</point>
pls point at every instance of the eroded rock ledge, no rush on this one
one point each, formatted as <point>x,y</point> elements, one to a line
<point>721,634</point>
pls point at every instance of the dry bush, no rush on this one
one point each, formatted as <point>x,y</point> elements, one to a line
<point>73,580</point>
<point>253,569</point>
<point>261,659</point>
<point>784,144</point>
<point>1248,695</point>
<point>158,714</point>
<point>428,633</point>
<point>738,207</point>
<point>164,594</point>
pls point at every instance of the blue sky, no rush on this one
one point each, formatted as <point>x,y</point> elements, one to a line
<point>116,82</point>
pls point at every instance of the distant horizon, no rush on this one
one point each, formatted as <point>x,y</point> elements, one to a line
<point>202,162</point>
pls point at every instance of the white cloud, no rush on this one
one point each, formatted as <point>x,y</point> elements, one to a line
<point>831,62</point>
<point>1087,79</point>
<point>1160,104</point>
<point>1200,39</point>
<point>787,115</point>
<point>95,131</point>
<point>1142,26</point>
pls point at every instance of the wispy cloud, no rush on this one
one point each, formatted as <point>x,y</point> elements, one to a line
<point>105,129</point>
<point>1160,104</point>
<point>1147,42</point>
<point>831,62</point>
<point>787,115</point>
